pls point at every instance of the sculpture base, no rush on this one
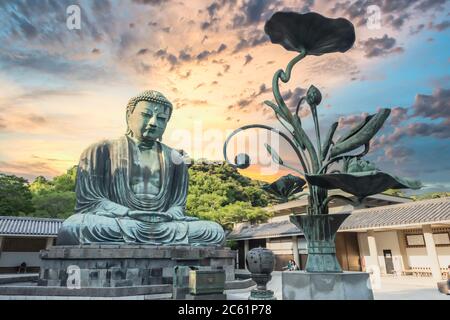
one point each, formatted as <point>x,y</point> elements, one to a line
<point>211,296</point>
<point>261,295</point>
<point>103,266</point>
<point>301,285</point>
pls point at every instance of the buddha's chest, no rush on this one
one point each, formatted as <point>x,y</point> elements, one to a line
<point>145,175</point>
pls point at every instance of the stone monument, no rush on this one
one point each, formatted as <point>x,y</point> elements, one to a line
<point>129,227</point>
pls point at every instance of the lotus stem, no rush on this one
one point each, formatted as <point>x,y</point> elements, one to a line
<point>261,126</point>
<point>307,162</point>
<point>343,198</point>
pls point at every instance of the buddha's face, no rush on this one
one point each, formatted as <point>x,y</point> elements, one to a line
<point>148,120</point>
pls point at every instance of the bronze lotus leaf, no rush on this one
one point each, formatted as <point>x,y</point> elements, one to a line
<point>286,186</point>
<point>310,31</point>
<point>362,184</point>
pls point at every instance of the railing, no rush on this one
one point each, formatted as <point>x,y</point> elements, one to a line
<point>424,272</point>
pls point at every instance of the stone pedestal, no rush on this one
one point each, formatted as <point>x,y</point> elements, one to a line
<point>301,285</point>
<point>127,265</point>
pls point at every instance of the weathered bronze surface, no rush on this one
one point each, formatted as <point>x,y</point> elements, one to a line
<point>313,34</point>
<point>206,281</point>
<point>320,233</point>
<point>260,262</point>
<point>284,189</point>
<point>133,189</point>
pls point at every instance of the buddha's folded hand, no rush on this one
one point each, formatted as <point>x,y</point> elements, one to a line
<point>188,218</point>
<point>150,216</point>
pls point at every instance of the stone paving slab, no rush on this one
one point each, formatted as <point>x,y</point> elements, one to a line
<point>84,292</point>
<point>141,297</point>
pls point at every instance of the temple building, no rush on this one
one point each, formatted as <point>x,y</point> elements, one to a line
<point>392,235</point>
<point>21,239</point>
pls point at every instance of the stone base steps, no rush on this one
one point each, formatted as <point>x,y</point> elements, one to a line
<point>15,278</point>
<point>113,292</point>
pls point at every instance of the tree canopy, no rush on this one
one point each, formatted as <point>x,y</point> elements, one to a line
<point>54,198</point>
<point>220,193</point>
<point>15,196</point>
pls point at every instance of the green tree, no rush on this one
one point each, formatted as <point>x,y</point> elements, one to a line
<point>218,192</point>
<point>431,195</point>
<point>394,192</point>
<point>54,198</point>
<point>66,181</point>
<point>54,204</point>
<point>15,196</point>
<point>41,185</point>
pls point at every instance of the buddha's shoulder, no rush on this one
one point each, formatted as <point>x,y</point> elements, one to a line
<point>104,144</point>
<point>178,153</point>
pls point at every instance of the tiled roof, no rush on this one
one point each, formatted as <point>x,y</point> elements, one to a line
<point>266,230</point>
<point>404,214</point>
<point>29,226</point>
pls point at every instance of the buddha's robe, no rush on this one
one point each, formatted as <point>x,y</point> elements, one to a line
<point>105,199</point>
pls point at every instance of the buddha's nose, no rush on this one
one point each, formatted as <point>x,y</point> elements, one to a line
<point>151,123</point>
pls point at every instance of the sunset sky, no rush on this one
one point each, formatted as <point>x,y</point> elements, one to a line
<point>62,89</point>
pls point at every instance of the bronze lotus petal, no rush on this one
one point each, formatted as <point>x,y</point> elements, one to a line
<point>310,31</point>
<point>361,134</point>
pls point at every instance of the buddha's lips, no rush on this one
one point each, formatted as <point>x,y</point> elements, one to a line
<point>150,131</point>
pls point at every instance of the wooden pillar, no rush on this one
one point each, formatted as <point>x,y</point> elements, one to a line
<point>402,246</point>
<point>431,252</point>
<point>49,243</point>
<point>373,251</point>
<point>246,249</point>
<point>295,251</point>
<point>1,244</point>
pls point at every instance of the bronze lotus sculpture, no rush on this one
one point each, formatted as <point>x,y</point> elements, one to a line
<point>313,34</point>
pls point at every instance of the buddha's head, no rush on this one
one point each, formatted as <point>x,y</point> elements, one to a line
<point>147,115</point>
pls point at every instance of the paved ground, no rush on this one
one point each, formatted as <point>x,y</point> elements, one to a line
<point>391,288</point>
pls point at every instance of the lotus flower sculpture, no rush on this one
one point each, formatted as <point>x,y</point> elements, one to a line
<point>314,34</point>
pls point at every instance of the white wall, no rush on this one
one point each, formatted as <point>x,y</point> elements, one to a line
<point>418,257</point>
<point>14,259</point>
<point>279,218</point>
<point>286,246</point>
<point>443,256</point>
<point>388,240</point>
<point>280,247</point>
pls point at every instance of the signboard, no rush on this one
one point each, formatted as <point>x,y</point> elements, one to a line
<point>441,238</point>
<point>415,240</point>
